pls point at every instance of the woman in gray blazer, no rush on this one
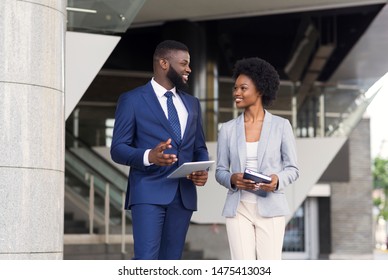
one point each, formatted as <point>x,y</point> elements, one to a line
<point>264,143</point>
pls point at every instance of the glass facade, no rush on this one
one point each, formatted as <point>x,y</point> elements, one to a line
<point>106,17</point>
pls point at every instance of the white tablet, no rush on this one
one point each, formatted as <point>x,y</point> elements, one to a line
<point>189,167</point>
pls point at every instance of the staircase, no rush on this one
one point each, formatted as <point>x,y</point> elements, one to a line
<point>99,249</point>
<point>94,198</point>
<point>112,252</point>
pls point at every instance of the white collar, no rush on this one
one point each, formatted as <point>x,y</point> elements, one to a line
<point>160,90</point>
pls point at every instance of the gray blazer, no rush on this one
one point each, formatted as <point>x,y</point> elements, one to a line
<point>276,155</point>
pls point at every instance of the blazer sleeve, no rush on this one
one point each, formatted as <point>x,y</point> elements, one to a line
<point>122,150</point>
<point>223,173</point>
<point>290,171</point>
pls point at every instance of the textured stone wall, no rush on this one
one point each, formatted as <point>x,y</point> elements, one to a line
<point>32,35</point>
<point>351,202</point>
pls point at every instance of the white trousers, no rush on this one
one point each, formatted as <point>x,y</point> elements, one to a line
<point>253,237</point>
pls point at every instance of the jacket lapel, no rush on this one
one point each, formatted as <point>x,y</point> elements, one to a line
<point>264,138</point>
<point>241,140</point>
<point>152,101</point>
<point>189,109</point>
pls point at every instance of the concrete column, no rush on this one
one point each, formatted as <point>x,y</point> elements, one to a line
<point>351,202</point>
<point>32,128</point>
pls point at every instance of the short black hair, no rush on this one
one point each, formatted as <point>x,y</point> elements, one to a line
<point>263,75</point>
<point>163,48</point>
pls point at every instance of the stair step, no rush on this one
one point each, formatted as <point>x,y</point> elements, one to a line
<point>97,257</point>
<point>97,252</point>
<point>192,255</point>
<point>113,252</point>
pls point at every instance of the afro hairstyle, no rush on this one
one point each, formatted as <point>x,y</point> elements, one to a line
<point>263,75</point>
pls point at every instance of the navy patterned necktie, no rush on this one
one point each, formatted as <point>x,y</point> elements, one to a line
<point>173,117</point>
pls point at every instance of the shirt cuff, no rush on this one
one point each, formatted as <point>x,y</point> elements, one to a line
<point>145,158</point>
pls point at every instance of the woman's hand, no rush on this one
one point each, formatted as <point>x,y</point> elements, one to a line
<point>239,182</point>
<point>271,186</point>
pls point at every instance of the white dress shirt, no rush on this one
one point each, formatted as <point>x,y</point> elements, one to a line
<point>178,103</point>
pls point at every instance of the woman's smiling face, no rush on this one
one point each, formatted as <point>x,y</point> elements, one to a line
<point>244,92</point>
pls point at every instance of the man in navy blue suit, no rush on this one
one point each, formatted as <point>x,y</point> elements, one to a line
<point>144,139</point>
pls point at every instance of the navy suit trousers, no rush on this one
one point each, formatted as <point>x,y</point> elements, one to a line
<point>159,231</point>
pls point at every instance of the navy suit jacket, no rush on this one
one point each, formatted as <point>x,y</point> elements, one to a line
<point>141,124</point>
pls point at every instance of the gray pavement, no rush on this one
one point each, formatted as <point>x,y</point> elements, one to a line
<point>380,254</point>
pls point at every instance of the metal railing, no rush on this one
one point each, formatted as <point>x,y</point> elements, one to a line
<point>107,203</point>
<point>96,180</point>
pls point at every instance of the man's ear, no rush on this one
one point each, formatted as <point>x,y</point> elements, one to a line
<point>163,63</point>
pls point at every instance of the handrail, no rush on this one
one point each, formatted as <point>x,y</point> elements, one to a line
<point>113,195</point>
<point>357,109</point>
<point>91,203</point>
<point>76,141</point>
<point>91,170</point>
<point>107,213</point>
<point>91,179</point>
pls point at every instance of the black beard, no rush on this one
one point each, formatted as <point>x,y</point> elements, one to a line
<point>177,79</point>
